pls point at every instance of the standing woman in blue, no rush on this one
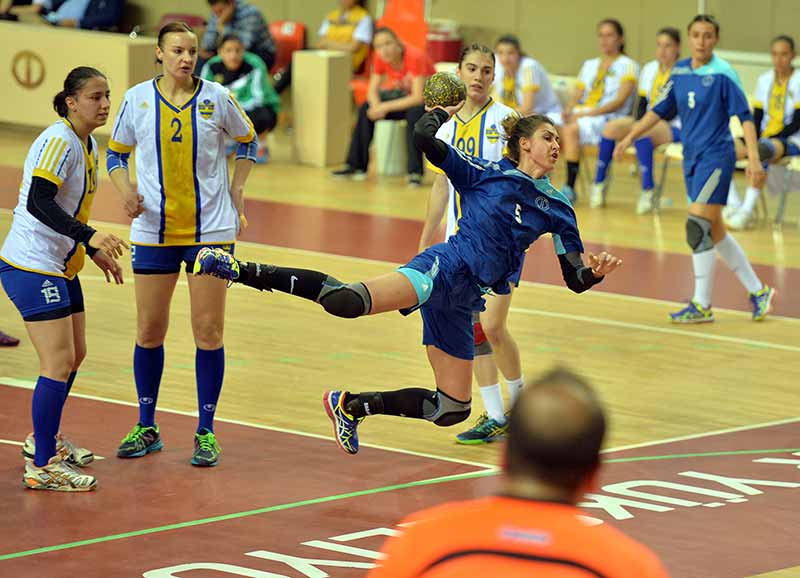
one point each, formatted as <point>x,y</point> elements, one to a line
<point>39,265</point>
<point>177,123</point>
<point>704,91</point>
<point>506,205</point>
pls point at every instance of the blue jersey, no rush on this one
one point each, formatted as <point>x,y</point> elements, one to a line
<point>503,212</point>
<point>704,98</point>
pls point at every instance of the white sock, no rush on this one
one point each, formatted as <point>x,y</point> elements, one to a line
<point>734,200</point>
<point>492,397</point>
<point>750,199</point>
<point>733,254</point>
<point>704,264</point>
<point>514,387</point>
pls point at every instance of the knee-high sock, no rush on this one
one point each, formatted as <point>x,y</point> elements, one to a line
<point>492,397</point>
<point>403,402</point>
<point>734,256</point>
<point>644,153</point>
<point>704,265</point>
<point>750,199</point>
<point>572,172</point>
<point>148,366</point>
<point>605,155</point>
<point>304,283</point>
<point>210,370</point>
<point>48,401</point>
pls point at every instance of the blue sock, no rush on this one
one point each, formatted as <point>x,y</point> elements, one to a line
<point>210,369</point>
<point>48,401</point>
<point>148,365</point>
<point>605,154</point>
<point>644,152</point>
<point>70,381</point>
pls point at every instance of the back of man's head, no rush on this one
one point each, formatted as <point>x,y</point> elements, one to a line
<point>556,431</point>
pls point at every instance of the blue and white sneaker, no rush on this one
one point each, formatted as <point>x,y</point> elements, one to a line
<point>693,313</point>
<point>486,430</point>
<point>216,262</point>
<point>345,426</point>
<point>762,302</point>
<point>570,193</point>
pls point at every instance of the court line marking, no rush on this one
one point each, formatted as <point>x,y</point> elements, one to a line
<point>343,496</point>
<point>20,444</point>
<point>26,384</point>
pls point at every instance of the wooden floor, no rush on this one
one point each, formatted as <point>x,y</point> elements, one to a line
<point>659,380</point>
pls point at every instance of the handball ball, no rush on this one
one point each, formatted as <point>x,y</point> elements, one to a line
<point>444,89</point>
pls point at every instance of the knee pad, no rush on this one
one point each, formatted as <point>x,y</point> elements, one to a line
<point>348,301</point>
<point>698,234</point>
<point>445,411</point>
<point>482,345</point>
<point>766,150</point>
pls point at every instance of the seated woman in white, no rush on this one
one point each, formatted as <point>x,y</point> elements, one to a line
<point>522,83</point>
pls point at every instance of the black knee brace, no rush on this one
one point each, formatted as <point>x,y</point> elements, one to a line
<point>348,301</point>
<point>698,234</point>
<point>446,411</point>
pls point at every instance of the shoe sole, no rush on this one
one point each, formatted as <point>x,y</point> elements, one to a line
<point>156,447</point>
<point>37,486</point>
<point>479,441</point>
<point>204,464</point>
<point>767,311</point>
<point>331,414</point>
<point>692,321</point>
<point>88,459</point>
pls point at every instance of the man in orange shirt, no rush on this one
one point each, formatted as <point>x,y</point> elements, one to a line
<point>533,528</point>
<point>395,89</point>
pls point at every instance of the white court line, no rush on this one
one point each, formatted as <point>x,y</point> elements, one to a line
<point>25,384</point>
<point>15,443</point>
<point>654,329</point>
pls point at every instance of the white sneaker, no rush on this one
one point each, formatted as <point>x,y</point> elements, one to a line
<point>728,211</point>
<point>68,451</point>
<point>597,198</point>
<point>645,203</point>
<point>58,476</point>
<point>740,220</point>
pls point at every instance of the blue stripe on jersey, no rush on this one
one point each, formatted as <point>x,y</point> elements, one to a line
<point>64,160</point>
<point>163,224</point>
<point>481,134</point>
<point>119,120</point>
<point>38,156</point>
<point>198,205</point>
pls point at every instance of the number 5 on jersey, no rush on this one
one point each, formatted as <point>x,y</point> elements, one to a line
<point>518,214</point>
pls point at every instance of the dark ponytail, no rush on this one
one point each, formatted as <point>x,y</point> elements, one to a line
<point>74,81</point>
<point>617,25</point>
<point>516,127</point>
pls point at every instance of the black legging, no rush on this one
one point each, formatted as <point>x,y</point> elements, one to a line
<point>263,118</point>
<point>358,156</point>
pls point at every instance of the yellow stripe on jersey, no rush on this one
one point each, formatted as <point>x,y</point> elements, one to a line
<point>75,263</point>
<point>458,211</point>
<point>118,147</point>
<point>598,87</point>
<point>658,83</point>
<point>48,176</point>
<point>252,133</point>
<point>176,138</point>
<point>777,103</point>
<point>509,95</point>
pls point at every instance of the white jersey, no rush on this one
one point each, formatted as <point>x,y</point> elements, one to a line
<point>779,103</point>
<point>61,157</point>
<point>531,77</point>
<point>480,136</point>
<point>651,81</point>
<point>601,87</point>
<point>181,168</point>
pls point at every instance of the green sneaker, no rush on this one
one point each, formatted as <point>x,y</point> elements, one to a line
<point>140,441</point>
<point>206,449</point>
<point>693,313</point>
<point>485,430</point>
<point>762,302</point>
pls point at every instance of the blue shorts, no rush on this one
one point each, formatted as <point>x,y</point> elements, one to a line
<point>40,297</point>
<point>161,259</point>
<point>676,133</point>
<point>708,180</point>
<point>447,314</point>
<point>792,150</point>
<point>514,279</point>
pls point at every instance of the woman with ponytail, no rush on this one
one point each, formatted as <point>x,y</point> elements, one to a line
<point>39,265</point>
<point>506,205</point>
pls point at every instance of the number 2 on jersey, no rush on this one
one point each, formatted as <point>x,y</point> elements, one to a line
<point>176,123</point>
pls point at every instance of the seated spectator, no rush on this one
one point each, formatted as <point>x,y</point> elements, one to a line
<point>246,76</point>
<point>8,341</point>
<point>86,14</point>
<point>13,9</point>
<point>533,527</point>
<point>348,28</point>
<point>606,89</point>
<point>243,19</point>
<point>777,99</point>
<point>395,92</point>
<point>522,83</point>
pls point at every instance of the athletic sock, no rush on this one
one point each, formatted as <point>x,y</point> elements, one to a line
<point>514,388</point>
<point>733,196</point>
<point>750,199</point>
<point>304,283</point>
<point>148,366</point>
<point>605,155</point>
<point>572,173</point>
<point>48,401</point>
<point>407,402</point>
<point>644,153</point>
<point>210,371</point>
<point>704,265</point>
<point>734,256</point>
<point>492,397</point>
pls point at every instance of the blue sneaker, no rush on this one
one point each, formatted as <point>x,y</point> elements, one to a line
<point>570,193</point>
<point>345,426</point>
<point>762,302</point>
<point>693,313</point>
<point>485,430</point>
<point>216,262</point>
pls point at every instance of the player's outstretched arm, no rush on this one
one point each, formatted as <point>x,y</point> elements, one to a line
<point>579,276</point>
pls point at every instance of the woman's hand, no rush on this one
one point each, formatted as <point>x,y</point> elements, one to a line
<point>109,267</point>
<point>109,243</point>
<point>622,146</point>
<point>450,110</point>
<point>603,264</point>
<point>133,204</point>
<point>756,175</point>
